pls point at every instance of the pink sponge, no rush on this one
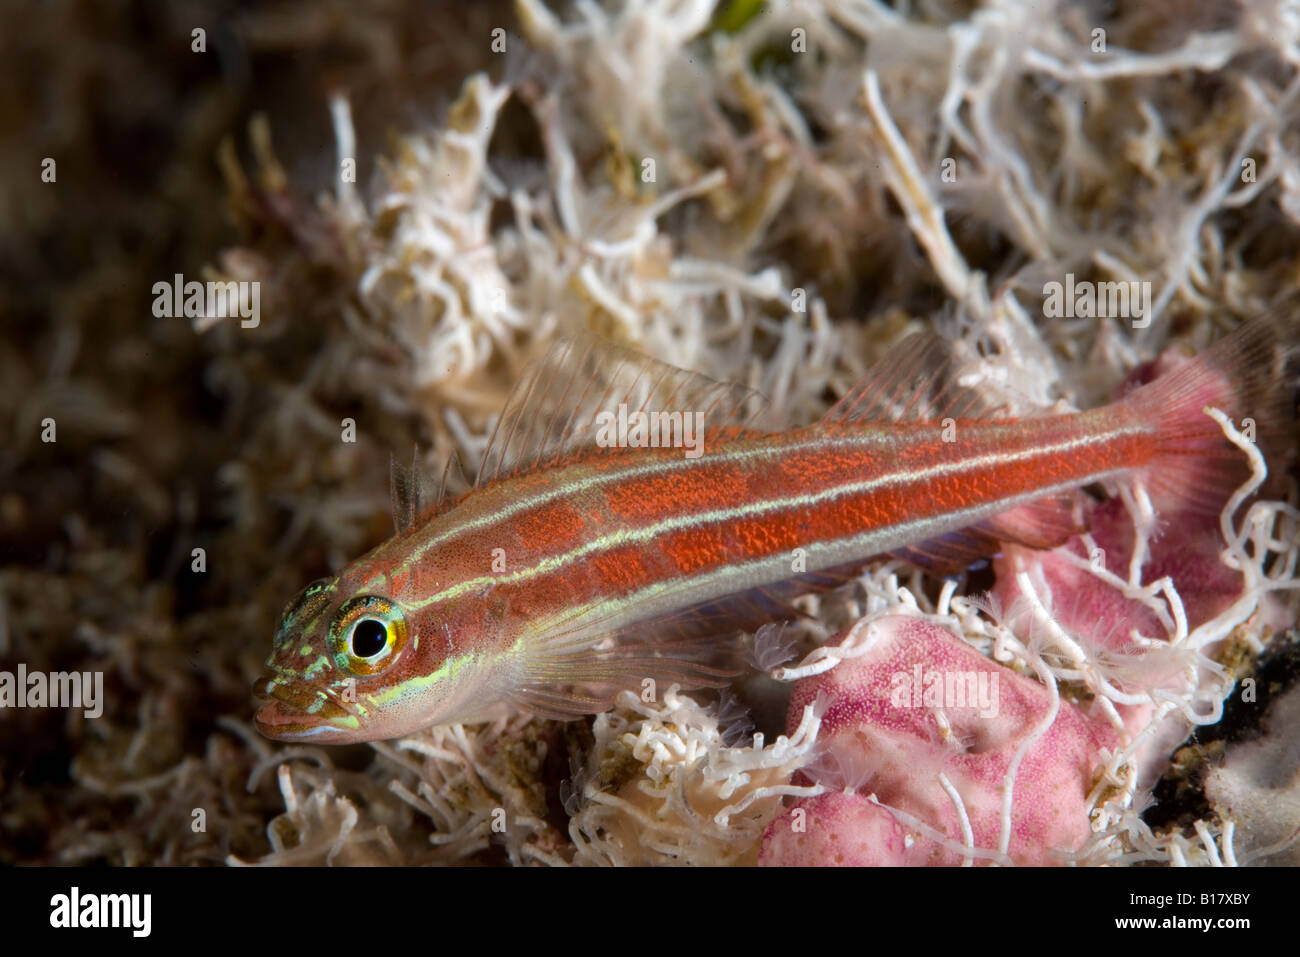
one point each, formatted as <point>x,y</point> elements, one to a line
<point>1101,617</point>
<point>837,830</point>
<point>1186,549</point>
<point>921,707</point>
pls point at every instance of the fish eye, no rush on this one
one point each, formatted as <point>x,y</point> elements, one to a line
<point>367,633</point>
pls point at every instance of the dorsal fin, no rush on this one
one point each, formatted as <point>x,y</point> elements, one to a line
<point>414,497</point>
<point>919,379</point>
<point>453,478</point>
<point>406,489</point>
<point>565,398</point>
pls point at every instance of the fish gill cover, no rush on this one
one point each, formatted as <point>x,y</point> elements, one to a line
<point>256,252</point>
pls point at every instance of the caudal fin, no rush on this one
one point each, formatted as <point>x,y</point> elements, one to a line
<point>1250,376</point>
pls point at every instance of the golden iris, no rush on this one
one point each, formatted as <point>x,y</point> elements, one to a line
<point>367,634</point>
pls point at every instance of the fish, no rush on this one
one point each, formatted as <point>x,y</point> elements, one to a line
<point>627,516</point>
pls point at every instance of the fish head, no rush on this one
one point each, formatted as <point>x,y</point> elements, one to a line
<point>350,663</point>
<point>325,642</point>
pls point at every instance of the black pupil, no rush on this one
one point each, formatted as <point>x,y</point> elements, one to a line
<point>369,638</point>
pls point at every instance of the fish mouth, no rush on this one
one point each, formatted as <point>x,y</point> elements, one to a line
<point>276,715</point>
<point>294,711</point>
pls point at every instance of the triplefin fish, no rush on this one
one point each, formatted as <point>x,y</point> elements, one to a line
<point>628,514</point>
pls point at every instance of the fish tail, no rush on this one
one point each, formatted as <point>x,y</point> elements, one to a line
<point>1250,376</point>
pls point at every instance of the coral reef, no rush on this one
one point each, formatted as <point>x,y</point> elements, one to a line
<point>769,193</point>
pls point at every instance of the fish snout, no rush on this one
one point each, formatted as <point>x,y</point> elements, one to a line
<point>293,707</point>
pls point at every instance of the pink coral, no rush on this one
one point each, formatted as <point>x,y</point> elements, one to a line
<point>934,731</point>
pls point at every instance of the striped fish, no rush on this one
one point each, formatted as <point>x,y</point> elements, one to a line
<point>628,514</point>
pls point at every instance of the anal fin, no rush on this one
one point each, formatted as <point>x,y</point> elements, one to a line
<point>582,666</point>
<point>1042,523</point>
